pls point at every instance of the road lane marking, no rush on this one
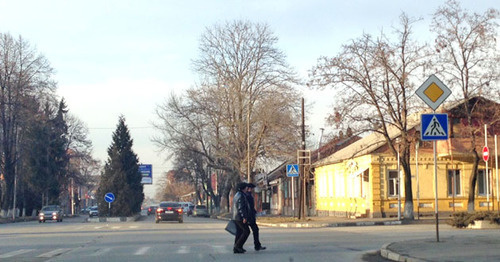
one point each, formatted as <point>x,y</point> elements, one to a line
<point>15,253</point>
<point>183,250</point>
<point>55,252</point>
<point>133,226</point>
<point>220,249</point>
<point>116,227</point>
<point>142,251</point>
<point>101,251</point>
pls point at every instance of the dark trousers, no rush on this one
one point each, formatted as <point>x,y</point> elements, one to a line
<point>255,231</point>
<point>242,233</point>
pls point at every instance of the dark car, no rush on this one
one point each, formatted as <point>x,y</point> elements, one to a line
<point>152,210</point>
<point>169,211</point>
<point>200,211</point>
<point>190,210</point>
<point>53,212</point>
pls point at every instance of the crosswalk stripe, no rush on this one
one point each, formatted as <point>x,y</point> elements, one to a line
<point>183,250</point>
<point>55,252</point>
<point>15,253</point>
<point>142,251</point>
<point>101,252</point>
<point>220,249</point>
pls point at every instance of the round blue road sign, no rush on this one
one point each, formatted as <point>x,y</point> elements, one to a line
<point>109,197</point>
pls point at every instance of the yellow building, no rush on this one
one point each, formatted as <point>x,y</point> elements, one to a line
<point>362,179</point>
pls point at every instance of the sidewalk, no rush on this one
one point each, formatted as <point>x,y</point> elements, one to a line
<point>467,245</point>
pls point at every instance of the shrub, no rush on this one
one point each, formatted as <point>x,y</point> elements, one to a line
<point>464,219</point>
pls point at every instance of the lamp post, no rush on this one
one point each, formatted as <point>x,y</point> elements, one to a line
<point>320,140</point>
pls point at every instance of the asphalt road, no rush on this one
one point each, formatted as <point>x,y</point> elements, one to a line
<point>197,239</point>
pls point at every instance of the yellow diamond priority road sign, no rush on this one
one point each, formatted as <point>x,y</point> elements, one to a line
<point>433,92</point>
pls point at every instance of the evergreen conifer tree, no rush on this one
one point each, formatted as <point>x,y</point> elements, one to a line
<point>121,176</point>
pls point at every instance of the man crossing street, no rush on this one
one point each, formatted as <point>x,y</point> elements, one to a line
<point>252,219</point>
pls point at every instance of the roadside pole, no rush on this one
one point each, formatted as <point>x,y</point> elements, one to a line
<point>496,171</point>
<point>487,171</point>
<point>417,144</point>
<point>434,126</point>
<point>436,190</point>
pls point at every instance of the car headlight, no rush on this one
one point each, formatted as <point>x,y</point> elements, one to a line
<point>54,213</point>
<point>42,214</point>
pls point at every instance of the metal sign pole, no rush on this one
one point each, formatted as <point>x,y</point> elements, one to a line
<point>293,197</point>
<point>496,171</point>
<point>436,189</point>
<point>486,171</point>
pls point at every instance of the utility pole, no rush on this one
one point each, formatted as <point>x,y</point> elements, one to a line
<point>302,201</point>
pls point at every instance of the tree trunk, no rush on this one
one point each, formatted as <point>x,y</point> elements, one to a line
<point>405,162</point>
<point>472,182</point>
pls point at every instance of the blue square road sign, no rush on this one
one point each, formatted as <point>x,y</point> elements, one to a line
<point>434,127</point>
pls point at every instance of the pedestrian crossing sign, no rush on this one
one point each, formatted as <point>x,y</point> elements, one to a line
<point>292,170</point>
<point>434,127</point>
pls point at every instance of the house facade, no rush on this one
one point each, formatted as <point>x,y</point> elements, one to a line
<point>364,180</point>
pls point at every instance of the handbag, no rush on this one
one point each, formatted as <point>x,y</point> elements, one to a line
<point>231,227</point>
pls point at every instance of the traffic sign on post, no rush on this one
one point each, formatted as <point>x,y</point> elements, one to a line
<point>433,92</point>
<point>109,197</point>
<point>292,170</point>
<point>486,154</point>
<point>434,127</point>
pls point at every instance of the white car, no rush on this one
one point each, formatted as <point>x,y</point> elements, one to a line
<point>185,206</point>
<point>94,211</point>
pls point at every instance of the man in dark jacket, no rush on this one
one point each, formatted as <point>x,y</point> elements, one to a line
<point>252,220</point>
<point>240,215</point>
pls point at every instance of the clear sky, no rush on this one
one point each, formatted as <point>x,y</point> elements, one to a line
<point>123,57</point>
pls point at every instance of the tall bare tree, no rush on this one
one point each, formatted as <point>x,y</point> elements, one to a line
<point>248,86</point>
<point>24,73</point>
<point>468,57</point>
<point>372,80</point>
<point>244,106</point>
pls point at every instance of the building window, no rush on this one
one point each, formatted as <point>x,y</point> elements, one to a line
<point>393,183</point>
<point>481,183</point>
<point>454,173</point>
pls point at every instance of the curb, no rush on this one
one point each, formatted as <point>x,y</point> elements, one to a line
<point>112,219</point>
<point>394,256</point>
<point>318,225</point>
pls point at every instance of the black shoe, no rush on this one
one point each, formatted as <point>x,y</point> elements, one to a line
<point>244,250</point>
<point>260,248</point>
<point>237,250</point>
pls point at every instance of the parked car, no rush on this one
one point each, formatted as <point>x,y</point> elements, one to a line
<point>200,211</point>
<point>52,212</point>
<point>152,210</point>
<point>94,211</point>
<point>85,210</point>
<point>169,211</point>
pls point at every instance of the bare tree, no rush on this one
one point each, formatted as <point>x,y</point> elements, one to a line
<point>372,81</point>
<point>468,57</point>
<point>243,109</point>
<point>23,73</point>
<point>247,89</point>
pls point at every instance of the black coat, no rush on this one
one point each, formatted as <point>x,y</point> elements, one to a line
<point>251,207</point>
<point>240,207</point>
